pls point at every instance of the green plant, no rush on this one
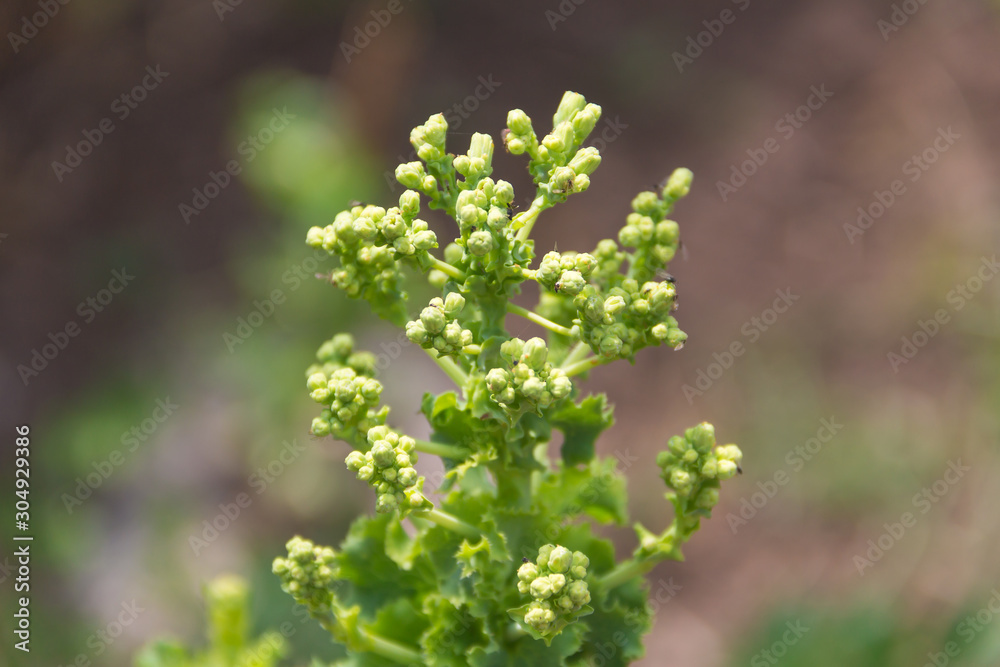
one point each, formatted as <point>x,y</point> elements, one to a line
<point>229,643</point>
<point>503,568</point>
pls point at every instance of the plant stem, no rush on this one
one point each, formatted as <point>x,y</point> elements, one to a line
<point>578,352</point>
<point>441,449</point>
<point>379,645</point>
<point>530,217</point>
<point>472,349</point>
<point>448,521</point>
<point>624,571</point>
<point>583,366</point>
<point>448,269</point>
<point>450,368</point>
<point>538,319</point>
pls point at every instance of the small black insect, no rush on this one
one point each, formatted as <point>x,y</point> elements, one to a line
<point>739,469</point>
<point>667,276</point>
<point>524,560</point>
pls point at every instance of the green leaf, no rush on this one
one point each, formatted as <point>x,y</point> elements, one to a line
<point>598,490</point>
<point>581,424</point>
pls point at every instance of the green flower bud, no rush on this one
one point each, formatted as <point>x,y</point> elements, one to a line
<point>659,331</point>
<point>586,161</point>
<point>707,498</point>
<point>376,433</point>
<point>503,193</point>
<point>680,479</point>
<point>371,390</point>
<point>534,353</point>
<point>480,243</point>
<point>386,503</point>
<point>610,346</point>
<point>668,232</point>
<point>497,380</point>
<point>355,461</point>
<point>437,279</point>
<point>515,146</point>
<point>511,350</point>
<point>453,253</point>
<point>571,283</point>
<point>585,121</point>
<point>424,240</point>
<point>320,427</point>
<point>383,454</point>
<point>701,437</point>
<point>646,203</point>
<point>518,122</point>
<point>434,319</point>
<point>407,476</point>
<point>527,572</point>
<point>533,388</point>
<point>314,237</point>
<point>453,304</point>
<point>585,263</point>
<point>560,559</point>
<point>630,236</point>
<point>729,453</point>
<point>690,456</point>
<point>560,387</point>
<point>676,338</point>
<point>541,589</point>
<point>316,381</point>
<point>614,305</point>
<point>570,104</point>
<point>679,184</point>
<point>409,203</point>
<point>365,472</point>
<point>579,593</point>
<point>411,175</point>
<point>710,469</point>
<point>727,469</point>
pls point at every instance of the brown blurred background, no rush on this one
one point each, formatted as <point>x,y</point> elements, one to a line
<point>212,74</point>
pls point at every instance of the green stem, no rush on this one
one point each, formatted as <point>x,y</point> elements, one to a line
<point>578,352</point>
<point>538,319</point>
<point>450,522</point>
<point>450,368</point>
<point>472,349</point>
<point>583,366</point>
<point>624,571</point>
<point>530,217</point>
<point>441,449</point>
<point>379,645</point>
<point>447,269</point>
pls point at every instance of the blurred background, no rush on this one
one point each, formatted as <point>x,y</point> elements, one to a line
<point>162,161</point>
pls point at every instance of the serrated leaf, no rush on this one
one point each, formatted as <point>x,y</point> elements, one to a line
<point>598,490</point>
<point>581,424</point>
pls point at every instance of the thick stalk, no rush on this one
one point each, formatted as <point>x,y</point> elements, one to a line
<point>578,352</point>
<point>452,523</point>
<point>539,320</point>
<point>441,449</point>
<point>379,645</point>
<point>530,217</point>
<point>447,269</point>
<point>624,571</point>
<point>583,366</point>
<point>450,368</point>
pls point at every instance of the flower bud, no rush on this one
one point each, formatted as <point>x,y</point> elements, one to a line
<point>579,593</point>
<point>433,319</point>
<point>729,453</point>
<point>668,232</point>
<point>560,387</point>
<point>614,305</point>
<point>527,572</point>
<point>453,253</point>
<point>630,236</point>
<point>424,240</point>
<point>480,243</point>
<point>701,437</point>
<point>727,469</point>
<point>646,203</point>
<point>707,498</point>
<point>610,346</point>
<point>320,427</point>
<point>571,283</point>
<point>518,122</point>
<point>407,476</point>
<point>541,589</point>
<point>503,193</point>
<point>387,502</point>
<point>383,454</point>
<point>416,332</point>
<point>411,175</point>
<point>570,104</point>
<point>515,146</point>
<point>680,479</point>
<point>314,237</point>
<point>560,559</point>
<point>586,161</point>
<point>511,349</point>
<point>679,184</point>
<point>535,353</point>
<point>496,380</point>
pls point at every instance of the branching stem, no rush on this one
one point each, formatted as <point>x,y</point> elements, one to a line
<point>583,365</point>
<point>451,369</point>
<point>447,269</point>
<point>452,523</point>
<point>539,320</point>
<point>441,449</point>
<point>530,217</point>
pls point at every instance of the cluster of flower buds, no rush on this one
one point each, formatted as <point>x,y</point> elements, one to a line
<point>531,382</point>
<point>388,467</point>
<point>342,382</point>
<point>370,241</point>
<point>653,238</point>
<point>438,327</point>
<point>620,322</point>
<point>437,180</point>
<point>566,273</point>
<point>557,163</point>
<point>308,574</point>
<point>556,584</point>
<point>692,465</point>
